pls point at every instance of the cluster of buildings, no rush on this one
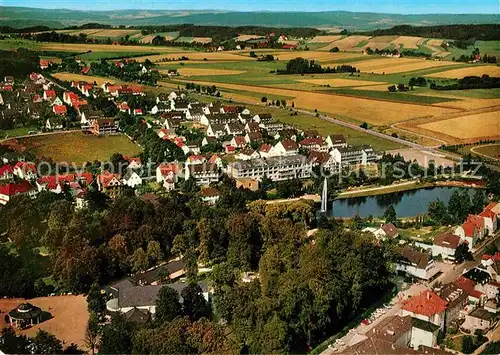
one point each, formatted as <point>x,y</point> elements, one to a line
<point>135,297</point>
<point>468,304</point>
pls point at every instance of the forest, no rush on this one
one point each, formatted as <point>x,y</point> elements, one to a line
<point>18,63</point>
<point>470,82</point>
<point>486,32</point>
<point>305,66</point>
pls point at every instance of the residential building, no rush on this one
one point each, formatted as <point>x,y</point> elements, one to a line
<point>25,170</point>
<point>263,118</point>
<point>132,179</point>
<point>285,147</point>
<point>253,137</point>
<point>387,230</point>
<point>423,333</point>
<point>445,244</point>
<point>103,126</point>
<point>6,173</point>
<point>167,174</point>
<point>456,298</point>
<point>479,319</point>
<point>204,174</point>
<point>234,128</point>
<point>238,142</point>
<point>356,155</point>
<point>426,306</point>
<point>109,184</point>
<point>19,188</point>
<point>216,130</point>
<point>314,144</point>
<point>416,263</point>
<point>275,168</point>
<point>210,195</point>
<point>248,154</point>
<point>336,141</point>
<point>326,161</point>
<point>249,184</point>
<point>490,220</point>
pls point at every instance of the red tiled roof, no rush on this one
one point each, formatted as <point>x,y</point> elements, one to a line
<point>265,148</point>
<point>166,169</point>
<point>240,140</point>
<point>447,240</point>
<point>85,70</point>
<point>468,228</point>
<point>17,188</point>
<point>230,109</point>
<point>209,192</point>
<point>24,166</point>
<point>476,220</point>
<point>288,144</point>
<point>488,214</point>
<point>106,177</point>
<point>427,303</point>
<point>491,206</point>
<point>50,93</point>
<point>312,141</point>
<point>59,109</point>
<point>5,169</point>
<point>465,284</point>
<point>213,159</point>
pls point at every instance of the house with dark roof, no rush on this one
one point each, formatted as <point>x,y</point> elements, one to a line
<point>284,147</point>
<point>210,195</point>
<point>445,244</point>
<point>336,141</point>
<point>457,299</point>
<point>479,319</point>
<point>416,263</point>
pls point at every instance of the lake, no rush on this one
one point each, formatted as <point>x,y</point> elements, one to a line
<point>407,203</point>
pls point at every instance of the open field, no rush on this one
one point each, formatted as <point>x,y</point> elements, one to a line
<point>244,37</point>
<point>489,150</point>
<point>381,87</point>
<point>472,104</point>
<point>196,56</point>
<point>78,148</point>
<point>422,157</point>
<point>477,70</point>
<point>347,43</point>
<point>89,78</point>
<point>69,317</point>
<point>475,126</point>
<point>342,82</point>
<point>201,72</point>
<point>408,42</point>
<point>357,109</point>
<point>84,47</point>
<point>325,39</point>
<point>322,57</point>
<point>397,65</point>
<point>108,32</point>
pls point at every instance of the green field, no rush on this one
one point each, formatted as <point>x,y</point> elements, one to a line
<point>78,148</point>
<point>96,56</point>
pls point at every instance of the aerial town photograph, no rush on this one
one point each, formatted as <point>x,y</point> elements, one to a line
<point>250,177</point>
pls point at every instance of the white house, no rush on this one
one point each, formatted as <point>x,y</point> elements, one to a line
<point>132,179</point>
<point>247,154</point>
<point>285,147</point>
<point>167,174</point>
<point>210,195</point>
<point>416,263</point>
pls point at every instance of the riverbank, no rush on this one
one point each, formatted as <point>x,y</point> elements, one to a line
<point>406,186</point>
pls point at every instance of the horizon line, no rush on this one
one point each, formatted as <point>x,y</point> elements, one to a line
<point>254,11</point>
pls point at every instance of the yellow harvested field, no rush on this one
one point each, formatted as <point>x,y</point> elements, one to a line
<point>221,56</point>
<point>377,45</point>
<point>113,33</point>
<point>434,42</point>
<point>474,126</point>
<point>147,39</point>
<point>325,39</point>
<point>376,112</point>
<point>202,72</point>
<point>472,104</point>
<point>76,32</point>
<point>341,82</point>
<point>244,38</point>
<point>408,41</point>
<point>477,70</point>
<point>83,47</point>
<point>348,43</point>
<point>397,65</point>
<point>322,57</point>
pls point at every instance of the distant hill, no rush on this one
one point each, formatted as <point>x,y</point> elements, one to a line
<point>23,17</point>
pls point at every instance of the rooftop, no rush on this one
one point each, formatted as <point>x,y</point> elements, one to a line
<point>427,303</point>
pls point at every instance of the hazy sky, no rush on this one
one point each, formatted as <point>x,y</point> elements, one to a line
<point>389,6</point>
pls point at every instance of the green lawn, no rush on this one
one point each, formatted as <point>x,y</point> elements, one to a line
<point>393,96</point>
<point>96,56</point>
<point>12,43</point>
<point>79,148</point>
<point>16,132</point>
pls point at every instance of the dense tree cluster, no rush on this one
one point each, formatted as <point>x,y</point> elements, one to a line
<point>19,63</point>
<point>130,71</point>
<point>486,32</point>
<point>305,66</point>
<point>461,204</point>
<point>470,82</point>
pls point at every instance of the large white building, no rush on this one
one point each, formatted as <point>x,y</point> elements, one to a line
<point>275,168</point>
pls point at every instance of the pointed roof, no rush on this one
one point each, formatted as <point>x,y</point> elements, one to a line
<point>427,304</point>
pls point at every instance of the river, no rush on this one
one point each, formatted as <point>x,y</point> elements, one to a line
<point>407,203</point>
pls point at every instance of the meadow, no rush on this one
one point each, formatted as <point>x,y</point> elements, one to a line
<point>78,148</point>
